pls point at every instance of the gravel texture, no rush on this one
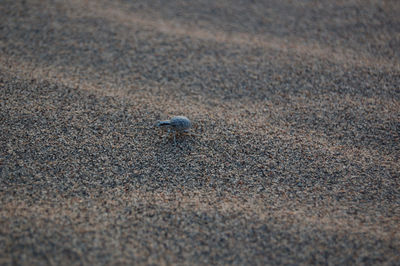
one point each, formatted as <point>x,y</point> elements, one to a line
<point>295,156</point>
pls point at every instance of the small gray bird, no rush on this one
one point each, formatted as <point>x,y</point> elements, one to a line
<point>177,124</point>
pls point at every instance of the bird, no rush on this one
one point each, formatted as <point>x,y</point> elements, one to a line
<point>176,125</point>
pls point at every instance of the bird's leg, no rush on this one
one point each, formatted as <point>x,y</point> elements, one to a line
<point>166,137</point>
<point>187,132</point>
<point>174,138</point>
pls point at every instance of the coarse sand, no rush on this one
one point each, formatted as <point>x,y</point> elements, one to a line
<point>295,156</point>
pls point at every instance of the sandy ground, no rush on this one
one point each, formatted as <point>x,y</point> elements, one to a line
<point>296,111</point>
